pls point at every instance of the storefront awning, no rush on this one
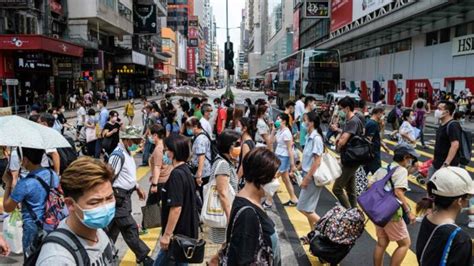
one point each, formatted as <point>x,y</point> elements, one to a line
<point>23,42</point>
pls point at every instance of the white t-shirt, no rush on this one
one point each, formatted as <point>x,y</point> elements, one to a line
<point>406,128</point>
<point>399,177</point>
<point>282,137</point>
<point>299,109</point>
<point>206,126</point>
<point>126,174</point>
<point>81,112</point>
<point>46,161</point>
<point>55,254</point>
<point>262,128</point>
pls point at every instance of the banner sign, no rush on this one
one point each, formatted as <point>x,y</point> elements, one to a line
<point>316,9</point>
<point>463,45</point>
<point>191,60</point>
<point>144,19</point>
<point>296,30</point>
<point>344,12</point>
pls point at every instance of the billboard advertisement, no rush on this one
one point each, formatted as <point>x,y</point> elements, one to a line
<point>344,12</point>
<point>144,19</point>
<point>191,60</point>
<point>316,9</point>
<point>296,30</point>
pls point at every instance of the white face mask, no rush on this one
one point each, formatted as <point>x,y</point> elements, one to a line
<point>271,188</point>
<point>438,114</point>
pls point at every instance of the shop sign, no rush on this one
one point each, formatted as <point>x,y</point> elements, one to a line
<point>13,3</point>
<point>191,60</point>
<point>11,82</point>
<point>193,43</point>
<point>296,30</point>
<point>144,19</point>
<point>126,69</point>
<point>32,62</point>
<point>138,58</point>
<point>344,12</point>
<point>316,9</point>
<point>463,45</point>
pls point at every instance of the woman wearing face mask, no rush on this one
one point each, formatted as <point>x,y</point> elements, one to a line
<point>284,151</point>
<point>111,132</point>
<point>439,238</point>
<point>313,150</point>
<point>201,152</point>
<point>396,229</point>
<point>61,118</point>
<point>247,214</point>
<point>160,167</point>
<point>236,124</point>
<point>407,134</point>
<point>178,200</point>
<point>248,144</point>
<point>223,170</point>
<point>172,125</point>
<point>87,186</point>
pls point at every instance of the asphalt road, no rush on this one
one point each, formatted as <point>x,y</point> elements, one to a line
<point>290,223</point>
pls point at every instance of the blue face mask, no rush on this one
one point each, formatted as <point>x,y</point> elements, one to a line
<point>189,132</point>
<point>99,217</point>
<point>150,139</point>
<point>134,147</point>
<point>166,159</point>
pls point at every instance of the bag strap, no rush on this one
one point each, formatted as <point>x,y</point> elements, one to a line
<point>210,143</point>
<point>447,246</point>
<point>239,212</point>
<point>219,161</point>
<point>47,189</point>
<point>69,241</point>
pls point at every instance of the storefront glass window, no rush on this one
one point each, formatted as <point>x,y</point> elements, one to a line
<point>431,38</point>
<point>444,35</point>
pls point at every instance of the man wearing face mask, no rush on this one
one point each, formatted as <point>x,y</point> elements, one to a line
<point>87,186</point>
<point>29,192</point>
<point>125,183</point>
<point>372,131</point>
<point>448,137</point>
<point>206,111</point>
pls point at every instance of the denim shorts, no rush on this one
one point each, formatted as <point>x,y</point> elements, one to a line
<point>285,163</point>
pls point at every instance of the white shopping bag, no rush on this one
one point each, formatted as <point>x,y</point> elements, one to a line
<point>13,232</point>
<point>328,171</point>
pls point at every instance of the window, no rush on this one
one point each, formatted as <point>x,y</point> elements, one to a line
<point>460,30</point>
<point>445,35</point>
<point>431,38</point>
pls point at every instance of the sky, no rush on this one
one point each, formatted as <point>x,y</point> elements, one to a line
<point>235,17</point>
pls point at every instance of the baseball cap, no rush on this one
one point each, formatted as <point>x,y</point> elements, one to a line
<point>404,149</point>
<point>452,181</point>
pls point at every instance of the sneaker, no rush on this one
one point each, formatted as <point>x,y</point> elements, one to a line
<point>265,205</point>
<point>144,231</point>
<point>290,204</point>
<point>470,225</point>
<point>147,261</point>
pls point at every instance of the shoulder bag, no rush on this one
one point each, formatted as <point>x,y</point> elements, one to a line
<point>184,249</point>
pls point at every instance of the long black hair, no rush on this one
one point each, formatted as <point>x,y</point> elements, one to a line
<point>314,118</point>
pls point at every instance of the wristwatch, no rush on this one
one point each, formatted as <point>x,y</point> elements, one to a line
<point>445,164</point>
<point>154,185</point>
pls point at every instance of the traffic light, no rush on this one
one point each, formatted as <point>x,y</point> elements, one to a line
<point>229,57</point>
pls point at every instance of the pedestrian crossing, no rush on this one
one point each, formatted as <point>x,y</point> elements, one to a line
<point>418,191</point>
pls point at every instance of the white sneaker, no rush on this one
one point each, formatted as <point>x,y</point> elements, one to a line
<point>470,224</point>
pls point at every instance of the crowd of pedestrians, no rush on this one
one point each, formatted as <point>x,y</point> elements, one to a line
<point>218,166</point>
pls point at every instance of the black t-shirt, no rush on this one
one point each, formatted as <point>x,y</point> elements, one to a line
<point>115,137</point>
<point>244,242</point>
<point>180,191</point>
<point>372,129</point>
<point>460,253</point>
<point>444,136</point>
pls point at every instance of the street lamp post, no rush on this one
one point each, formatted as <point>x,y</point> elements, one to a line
<point>227,92</point>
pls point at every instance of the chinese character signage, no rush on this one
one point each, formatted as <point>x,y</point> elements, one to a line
<point>191,60</point>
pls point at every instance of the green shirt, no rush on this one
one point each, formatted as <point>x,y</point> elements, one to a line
<point>197,114</point>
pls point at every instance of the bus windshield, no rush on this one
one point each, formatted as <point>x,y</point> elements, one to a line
<point>320,71</point>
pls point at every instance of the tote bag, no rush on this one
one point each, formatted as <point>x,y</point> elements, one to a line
<point>328,171</point>
<point>212,213</point>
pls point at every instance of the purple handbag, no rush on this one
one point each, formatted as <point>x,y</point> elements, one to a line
<point>380,205</point>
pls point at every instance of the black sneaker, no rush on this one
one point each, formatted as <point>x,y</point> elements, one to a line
<point>290,203</point>
<point>266,205</point>
<point>147,261</point>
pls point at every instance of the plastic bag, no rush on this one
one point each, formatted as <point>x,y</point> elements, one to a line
<point>13,231</point>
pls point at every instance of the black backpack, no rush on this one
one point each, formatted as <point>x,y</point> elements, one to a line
<point>465,144</point>
<point>67,155</point>
<point>392,116</point>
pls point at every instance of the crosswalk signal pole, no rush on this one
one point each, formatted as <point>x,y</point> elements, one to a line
<point>228,41</point>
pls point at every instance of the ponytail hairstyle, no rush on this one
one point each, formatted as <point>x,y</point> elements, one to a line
<point>314,118</point>
<point>434,201</point>
<point>248,124</point>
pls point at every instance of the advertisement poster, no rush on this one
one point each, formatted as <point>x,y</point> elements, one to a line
<point>296,30</point>
<point>364,7</point>
<point>144,19</point>
<point>344,12</point>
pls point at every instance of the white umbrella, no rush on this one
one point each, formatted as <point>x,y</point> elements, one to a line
<point>21,132</point>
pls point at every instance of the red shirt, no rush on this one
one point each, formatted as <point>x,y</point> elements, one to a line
<point>221,116</point>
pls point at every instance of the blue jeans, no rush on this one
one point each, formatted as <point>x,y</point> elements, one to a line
<point>30,230</point>
<point>98,148</point>
<point>162,260</point>
<point>147,151</point>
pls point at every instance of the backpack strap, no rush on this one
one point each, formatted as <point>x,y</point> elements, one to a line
<point>447,247</point>
<point>47,188</point>
<point>210,143</point>
<point>69,241</point>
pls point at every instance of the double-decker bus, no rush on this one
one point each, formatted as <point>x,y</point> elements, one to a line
<point>312,72</point>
